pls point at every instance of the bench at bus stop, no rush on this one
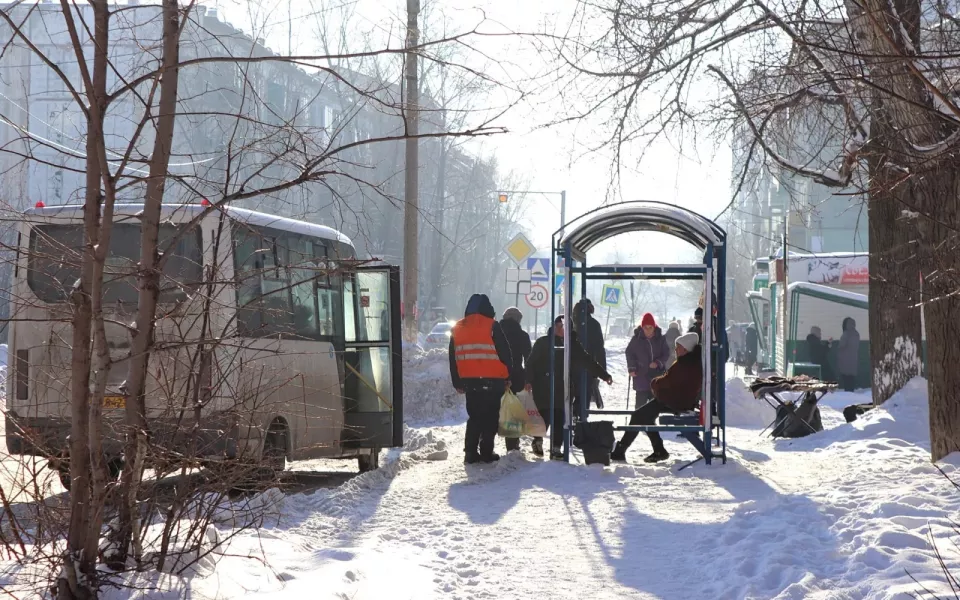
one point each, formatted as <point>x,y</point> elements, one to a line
<point>794,418</point>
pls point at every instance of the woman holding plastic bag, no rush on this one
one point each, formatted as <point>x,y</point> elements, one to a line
<point>538,380</point>
<point>519,341</point>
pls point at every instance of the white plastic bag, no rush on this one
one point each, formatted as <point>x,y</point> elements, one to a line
<point>513,417</point>
<point>534,426</point>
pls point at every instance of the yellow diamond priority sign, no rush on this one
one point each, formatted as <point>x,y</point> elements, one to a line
<point>520,248</point>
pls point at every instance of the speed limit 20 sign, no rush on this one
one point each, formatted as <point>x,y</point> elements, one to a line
<point>538,296</point>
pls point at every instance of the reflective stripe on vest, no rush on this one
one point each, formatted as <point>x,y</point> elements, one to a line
<point>474,350</point>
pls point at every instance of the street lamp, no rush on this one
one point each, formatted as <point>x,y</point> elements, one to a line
<point>503,196</point>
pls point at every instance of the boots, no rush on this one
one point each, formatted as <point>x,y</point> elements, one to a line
<point>619,453</point>
<point>556,453</point>
<point>657,456</point>
<point>537,446</point>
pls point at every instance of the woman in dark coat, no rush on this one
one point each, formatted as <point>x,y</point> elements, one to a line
<point>519,341</point>
<point>538,379</point>
<point>817,349</point>
<point>647,357</point>
<point>848,355</point>
<point>676,391</point>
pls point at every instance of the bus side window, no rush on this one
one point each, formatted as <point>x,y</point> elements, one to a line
<point>327,289</point>
<point>303,287</point>
<point>277,286</point>
<point>247,268</point>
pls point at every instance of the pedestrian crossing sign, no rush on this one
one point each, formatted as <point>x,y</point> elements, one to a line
<point>611,296</point>
<point>539,269</point>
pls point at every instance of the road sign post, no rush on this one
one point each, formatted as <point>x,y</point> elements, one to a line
<point>538,296</point>
<point>518,282</point>
<point>610,297</point>
<point>520,249</point>
<point>539,269</point>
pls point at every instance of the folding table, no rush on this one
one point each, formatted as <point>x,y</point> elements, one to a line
<point>769,389</point>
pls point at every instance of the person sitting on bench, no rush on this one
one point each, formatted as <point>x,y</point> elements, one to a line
<point>675,391</point>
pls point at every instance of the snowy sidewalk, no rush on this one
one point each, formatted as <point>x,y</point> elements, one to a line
<point>841,514</point>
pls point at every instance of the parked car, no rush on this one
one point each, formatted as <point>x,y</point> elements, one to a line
<point>439,336</point>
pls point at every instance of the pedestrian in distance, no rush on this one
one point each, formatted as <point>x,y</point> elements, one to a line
<point>538,380</point>
<point>678,390</point>
<point>753,347</point>
<point>480,362</point>
<point>520,347</point>
<point>817,351</point>
<point>647,357</point>
<point>697,326</point>
<point>848,355</point>
<point>673,332</point>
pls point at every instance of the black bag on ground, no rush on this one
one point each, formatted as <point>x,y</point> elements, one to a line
<point>596,440</point>
<point>794,421</point>
<point>853,411</point>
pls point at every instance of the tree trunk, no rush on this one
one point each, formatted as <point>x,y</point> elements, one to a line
<point>895,332</point>
<point>149,288</point>
<point>436,254</point>
<point>79,580</point>
<point>938,198</point>
<point>101,350</point>
<point>891,28</point>
<point>411,210</point>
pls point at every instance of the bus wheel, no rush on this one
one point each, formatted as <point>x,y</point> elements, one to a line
<point>369,462</point>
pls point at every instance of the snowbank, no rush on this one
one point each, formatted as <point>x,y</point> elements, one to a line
<point>743,410</point>
<point>902,421</point>
<point>428,395</point>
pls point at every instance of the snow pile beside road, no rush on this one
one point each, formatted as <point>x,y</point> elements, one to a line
<point>428,395</point>
<point>743,410</point>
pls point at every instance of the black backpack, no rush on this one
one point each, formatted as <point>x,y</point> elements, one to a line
<point>795,421</point>
<point>596,440</point>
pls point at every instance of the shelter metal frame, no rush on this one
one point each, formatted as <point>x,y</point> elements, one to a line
<point>706,432</point>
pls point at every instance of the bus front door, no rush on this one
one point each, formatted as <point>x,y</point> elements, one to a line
<point>372,358</point>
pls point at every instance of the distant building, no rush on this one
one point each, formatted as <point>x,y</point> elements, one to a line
<point>819,218</point>
<point>289,115</point>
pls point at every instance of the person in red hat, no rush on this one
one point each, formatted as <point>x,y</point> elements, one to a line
<point>647,357</point>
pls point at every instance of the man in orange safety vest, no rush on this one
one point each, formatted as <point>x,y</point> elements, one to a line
<point>479,355</point>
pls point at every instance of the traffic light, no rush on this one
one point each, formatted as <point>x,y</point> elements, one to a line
<point>502,198</point>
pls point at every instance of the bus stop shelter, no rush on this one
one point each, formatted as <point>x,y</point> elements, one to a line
<point>704,429</point>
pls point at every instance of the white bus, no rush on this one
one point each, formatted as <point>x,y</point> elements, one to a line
<point>273,341</point>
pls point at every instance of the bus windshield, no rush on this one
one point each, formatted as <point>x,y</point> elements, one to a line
<point>53,262</point>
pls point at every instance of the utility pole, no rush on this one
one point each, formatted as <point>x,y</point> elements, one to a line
<point>411,248</point>
<point>786,294</point>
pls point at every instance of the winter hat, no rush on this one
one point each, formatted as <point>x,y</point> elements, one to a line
<point>674,325</point>
<point>512,314</point>
<point>698,312</point>
<point>648,320</point>
<point>815,331</point>
<point>479,304</point>
<point>689,341</point>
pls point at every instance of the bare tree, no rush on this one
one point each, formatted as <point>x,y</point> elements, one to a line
<point>254,145</point>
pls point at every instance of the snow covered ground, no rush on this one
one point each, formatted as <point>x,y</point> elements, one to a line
<point>847,513</point>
